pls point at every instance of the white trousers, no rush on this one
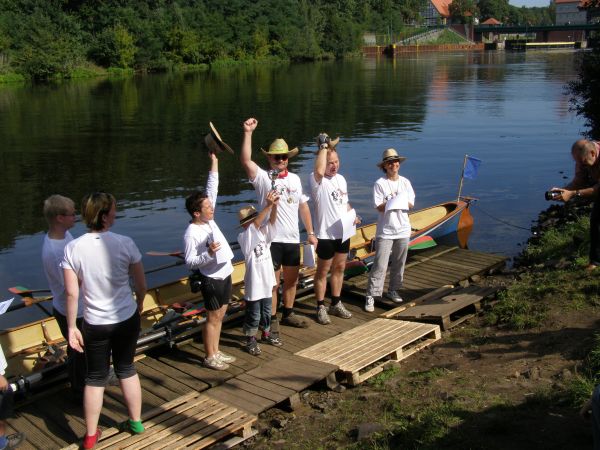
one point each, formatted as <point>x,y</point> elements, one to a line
<point>394,253</point>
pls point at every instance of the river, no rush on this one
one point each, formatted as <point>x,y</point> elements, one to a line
<point>141,139</point>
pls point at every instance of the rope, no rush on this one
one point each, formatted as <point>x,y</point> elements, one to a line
<point>502,221</point>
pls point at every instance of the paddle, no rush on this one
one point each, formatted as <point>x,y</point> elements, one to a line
<point>354,268</point>
<point>177,254</point>
<point>422,242</point>
<point>24,292</point>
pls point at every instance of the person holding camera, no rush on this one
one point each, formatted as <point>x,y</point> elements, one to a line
<point>585,184</point>
<point>330,194</point>
<point>285,248</point>
<point>207,251</point>
<point>259,279</point>
<point>393,196</point>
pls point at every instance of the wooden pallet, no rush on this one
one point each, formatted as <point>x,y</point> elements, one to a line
<point>447,310</point>
<point>361,352</point>
<point>193,420</point>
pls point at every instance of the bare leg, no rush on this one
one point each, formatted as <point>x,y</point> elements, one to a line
<point>93,397</point>
<point>132,392</point>
<point>274,294</point>
<point>337,274</point>
<point>323,266</point>
<point>290,280</point>
<point>211,332</point>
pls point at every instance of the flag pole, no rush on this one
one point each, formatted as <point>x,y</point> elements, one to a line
<point>462,176</point>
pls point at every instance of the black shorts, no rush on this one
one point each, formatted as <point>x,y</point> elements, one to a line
<point>285,254</point>
<point>216,293</point>
<point>6,404</point>
<point>326,248</point>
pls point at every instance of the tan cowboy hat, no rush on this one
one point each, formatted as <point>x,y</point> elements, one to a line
<point>214,142</point>
<point>247,214</point>
<point>390,155</point>
<point>324,137</point>
<point>280,147</point>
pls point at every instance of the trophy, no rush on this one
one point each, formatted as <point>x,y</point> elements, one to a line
<point>273,174</point>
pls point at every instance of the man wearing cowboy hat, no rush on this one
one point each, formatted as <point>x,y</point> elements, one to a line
<point>285,249</point>
<point>330,194</point>
<point>393,196</point>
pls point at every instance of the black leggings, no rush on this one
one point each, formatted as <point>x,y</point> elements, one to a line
<point>100,341</point>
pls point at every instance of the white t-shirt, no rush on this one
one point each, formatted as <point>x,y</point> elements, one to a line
<point>290,190</point>
<point>53,252</point>
<point>101,262</point>
<point>3,363</point>
<point>259,278</point>
<point>198,237</point>
<point>331,203</point>
<point>393,224</point>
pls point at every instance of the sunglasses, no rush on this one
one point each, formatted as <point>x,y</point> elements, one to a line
<point>280,157</point>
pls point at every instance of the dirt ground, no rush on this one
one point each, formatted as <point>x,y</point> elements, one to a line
<point>478,387</point>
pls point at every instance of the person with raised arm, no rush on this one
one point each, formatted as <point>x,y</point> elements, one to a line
<point>285,248</point>
<point>102,263</point>
<point>259,279</point>
<point>208,252</point>
<point>330,194</point>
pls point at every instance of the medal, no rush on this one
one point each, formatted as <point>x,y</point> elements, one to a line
<point>290,200</point>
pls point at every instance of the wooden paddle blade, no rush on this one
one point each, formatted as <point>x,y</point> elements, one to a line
<point>177,253</point>
<point>23,291</point>
<point>354,268</point>
<point>421,243</point>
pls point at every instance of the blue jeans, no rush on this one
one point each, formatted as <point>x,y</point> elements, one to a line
<point>258,312</point>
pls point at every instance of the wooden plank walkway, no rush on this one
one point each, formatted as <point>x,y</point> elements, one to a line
<point>431,269</point>
<point>51,421</point>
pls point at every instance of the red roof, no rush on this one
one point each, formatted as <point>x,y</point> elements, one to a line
<point>442,7</point>
<point>491,21</point>
<point>579,2</point>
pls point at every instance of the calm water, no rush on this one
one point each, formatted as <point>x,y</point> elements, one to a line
<point>140,139</point>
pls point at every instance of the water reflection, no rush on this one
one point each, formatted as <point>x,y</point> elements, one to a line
<point>140,138</point>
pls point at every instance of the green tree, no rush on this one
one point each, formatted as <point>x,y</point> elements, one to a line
<point>497,9</point>
<point>115,47</point>
<point>585,91</point>
<point>463,11</point>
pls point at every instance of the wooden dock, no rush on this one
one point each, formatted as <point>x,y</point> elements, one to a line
<point>180,396</point>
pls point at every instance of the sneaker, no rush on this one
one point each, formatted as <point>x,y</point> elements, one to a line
<point>252,347</point>
<point>393,296</point>
<point>14,440</point>
<point>225,358</point>
<point>271,339</point>
<point>322,316</point>
<point>215,363</point>
<point>369,304</point>
<point>340,310</point>
<point>89,442</point>
<point>294,320</point>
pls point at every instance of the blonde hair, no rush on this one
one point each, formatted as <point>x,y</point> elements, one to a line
<point>57,205</point>
<point>94,207</point>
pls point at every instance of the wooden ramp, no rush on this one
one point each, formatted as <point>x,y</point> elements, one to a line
<point>361,352</point>
<point>193,420</point>
<point>447,307</point>
<point>268,385</point>
<point>432,268</point>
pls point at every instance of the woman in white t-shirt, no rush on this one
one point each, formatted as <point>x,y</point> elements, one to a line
<point>393,196</point>
<point>101,263</point>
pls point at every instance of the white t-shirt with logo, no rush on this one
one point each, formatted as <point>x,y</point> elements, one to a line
<point>289,189</point>
<point>101,262</point>
<point>259,278</point>
<point>198,237</point>
<point>53,252</point>
<point>394,224</point>
<point>331,203</point>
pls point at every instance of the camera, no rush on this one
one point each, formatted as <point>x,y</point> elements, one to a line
<point>552,195</point>
<point>323,140</point>
<point>195,281</point>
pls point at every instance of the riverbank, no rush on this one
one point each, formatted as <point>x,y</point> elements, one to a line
<point>514,377</point>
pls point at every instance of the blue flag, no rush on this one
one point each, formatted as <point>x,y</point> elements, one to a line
<point>471,167</point>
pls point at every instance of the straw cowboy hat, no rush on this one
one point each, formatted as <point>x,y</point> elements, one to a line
<point>280,147</point>
<point>214,142</point>
<point>390,155</point>
<point>247,214</point>
<point>323,138</point>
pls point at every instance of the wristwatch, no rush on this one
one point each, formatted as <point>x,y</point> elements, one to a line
<point>310,234</point>
<point>577,193</point>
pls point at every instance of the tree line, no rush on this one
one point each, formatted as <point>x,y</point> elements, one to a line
<point>42,39</point>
